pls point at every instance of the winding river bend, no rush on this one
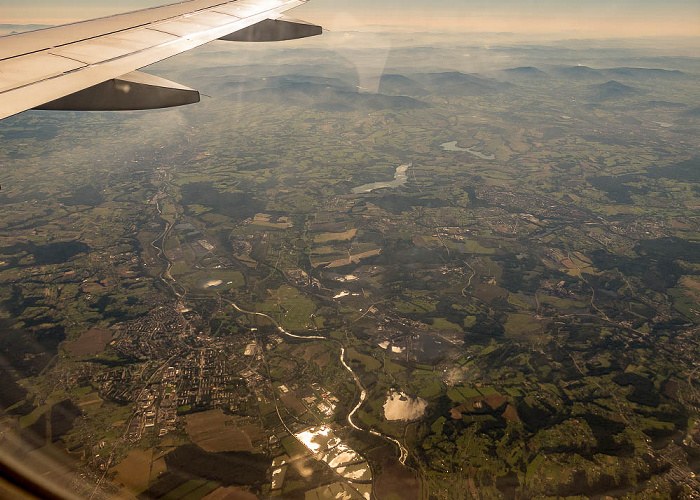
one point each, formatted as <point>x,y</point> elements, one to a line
<point>159,243</point>
<point>403,452</point>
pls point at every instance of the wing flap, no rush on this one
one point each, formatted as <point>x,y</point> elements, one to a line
<point>108,47</point>
<point>195,23</point>
<point>137,39</point>
<point>34,68</point>
<point>245,8</point>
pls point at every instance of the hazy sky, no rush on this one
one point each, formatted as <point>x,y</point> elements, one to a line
<point>569,17</point>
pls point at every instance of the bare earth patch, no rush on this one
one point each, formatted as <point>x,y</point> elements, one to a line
<point>397,482</point>
<point>133,472</point>
<point>213,432</point>
<point>326,237</point>
<point>90,342</point>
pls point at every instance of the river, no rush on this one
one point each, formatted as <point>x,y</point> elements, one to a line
<point>159,243</point>
<point>403,452</point>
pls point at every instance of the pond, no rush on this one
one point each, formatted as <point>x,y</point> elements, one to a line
<point>427,348</point>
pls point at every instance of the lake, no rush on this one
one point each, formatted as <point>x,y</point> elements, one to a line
<point>452,146</point>
<point>400,178</point>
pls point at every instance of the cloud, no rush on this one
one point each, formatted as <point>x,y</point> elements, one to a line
<point>400,406</point>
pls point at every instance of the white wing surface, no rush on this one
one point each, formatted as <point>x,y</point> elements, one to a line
<point>54,65</point>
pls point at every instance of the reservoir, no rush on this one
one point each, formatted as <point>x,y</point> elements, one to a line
<point>400,179</point>
<point>452,146</point>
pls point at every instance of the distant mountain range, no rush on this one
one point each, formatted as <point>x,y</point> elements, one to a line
<point>319,93</point>
<point>398,92</point>
<point>400,85</point>
<point>642,73</point>
<point>666,104</point>
<point>283,82</point>
<point>610,91</point>
<point>587,73</point>
<point>455,83</point>
<point>578,72</point>
<point>525,72</point>
<point>692,112</point>
<point>11,29</point>
<point>339,90</point>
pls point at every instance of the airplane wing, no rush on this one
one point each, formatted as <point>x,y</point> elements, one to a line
<point>92,65</point>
